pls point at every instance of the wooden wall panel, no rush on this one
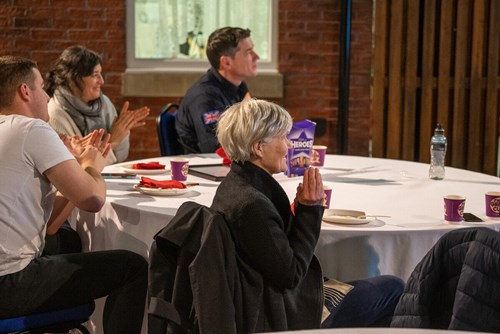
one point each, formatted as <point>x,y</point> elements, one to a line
<point>462,50</point>
<point>476,111</point>
<point>437,61</point>
<point>394,144</point>
<point>427,100</point>
<point>379,108</point>
<point>491,107</point>
<point>411,80</point>
<point>444,61</point>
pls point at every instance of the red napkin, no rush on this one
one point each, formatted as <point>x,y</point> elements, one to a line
<point>148,165</point>
<point>164,184</point>
<point>225,160</point>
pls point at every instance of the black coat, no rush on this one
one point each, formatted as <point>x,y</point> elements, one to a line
<point>456,285</point>
<point>278,245</point>
<point>197,283</point>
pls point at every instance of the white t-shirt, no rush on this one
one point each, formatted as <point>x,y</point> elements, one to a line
<point>28,147</point>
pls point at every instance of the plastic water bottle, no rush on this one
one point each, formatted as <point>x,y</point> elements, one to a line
<point>438,153</point>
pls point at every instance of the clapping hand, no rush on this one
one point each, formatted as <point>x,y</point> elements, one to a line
<point>127,120</point>
<point>310,191</point>
<point>96,139</point>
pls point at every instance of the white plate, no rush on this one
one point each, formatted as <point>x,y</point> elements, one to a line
<point>348,217</point>
<point>162,192</point>
<point>129,169</point>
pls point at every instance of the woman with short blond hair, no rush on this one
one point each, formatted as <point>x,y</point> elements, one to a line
<point>278,244</point>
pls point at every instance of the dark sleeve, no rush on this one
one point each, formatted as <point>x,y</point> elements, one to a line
<point>184,128</point>
<point>198,121</point>
<point>282,259</point>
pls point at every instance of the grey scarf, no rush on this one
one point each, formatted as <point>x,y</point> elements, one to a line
<point>87,117</point>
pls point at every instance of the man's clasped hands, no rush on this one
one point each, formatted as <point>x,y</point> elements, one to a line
<point>91,149</point>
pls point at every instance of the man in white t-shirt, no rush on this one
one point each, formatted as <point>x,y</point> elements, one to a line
<point>41,179</point>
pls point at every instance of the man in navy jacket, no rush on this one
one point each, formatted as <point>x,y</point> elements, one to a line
<point>233,59</point>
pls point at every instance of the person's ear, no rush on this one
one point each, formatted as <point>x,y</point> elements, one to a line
<point>24,91</point>
<point>257,149</point>
<point>225,62</point>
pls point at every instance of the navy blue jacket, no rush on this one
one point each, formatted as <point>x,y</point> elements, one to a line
<point>201,108</point>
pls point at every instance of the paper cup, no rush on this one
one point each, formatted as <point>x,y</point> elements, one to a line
<point>492,204</point>
<point>179,168</point>
<point>454,208</point>
<point>328,196</point>
<point>318,155</point>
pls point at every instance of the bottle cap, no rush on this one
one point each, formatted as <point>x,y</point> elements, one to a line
<point>439,131</point>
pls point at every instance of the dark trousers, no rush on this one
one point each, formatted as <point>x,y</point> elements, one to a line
<point>52,282</point>
<point>65,240</point>
<point>370,303</point>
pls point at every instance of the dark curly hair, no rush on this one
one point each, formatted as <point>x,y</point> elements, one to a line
<point>73,64</point>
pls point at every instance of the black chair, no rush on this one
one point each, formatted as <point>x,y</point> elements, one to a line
<point>59,321</point>
<point>167,135</point>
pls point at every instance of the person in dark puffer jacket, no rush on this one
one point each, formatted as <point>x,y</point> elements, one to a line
<point>456,285</point>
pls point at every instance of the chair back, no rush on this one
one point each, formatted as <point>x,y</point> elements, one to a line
<point>196,283</point>
<point>59,321</point>
<point>167,135</point>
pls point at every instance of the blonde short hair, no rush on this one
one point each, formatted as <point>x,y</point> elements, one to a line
<point>249,122</point>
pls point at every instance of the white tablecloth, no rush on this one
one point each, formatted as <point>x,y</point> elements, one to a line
<point>392,245</point>
<point>402,190</point>
<point>399,189</point>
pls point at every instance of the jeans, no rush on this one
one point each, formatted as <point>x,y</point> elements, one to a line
<point>53,282</point>
<point>370,303</point>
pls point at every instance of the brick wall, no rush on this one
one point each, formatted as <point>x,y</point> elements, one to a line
<point>308,57</point>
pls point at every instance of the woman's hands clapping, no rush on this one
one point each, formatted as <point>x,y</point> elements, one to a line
<point>127,120</point>
<point>310,191</point>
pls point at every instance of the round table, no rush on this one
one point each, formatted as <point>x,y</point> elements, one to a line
<point>390,245</point>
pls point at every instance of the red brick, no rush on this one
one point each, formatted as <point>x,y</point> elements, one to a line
<point>308,57</point>
<point>69,23</point>
<point>116,13</point>
<point>10,11</point>
<point>50,34</point>
<point>5,22</point>
<point>324,92</point>
<point>21,22</point>
<point>15,34</point>
<point>52,12</point>
<point>63,44</point>
<point>285,27</point>
<point>302,79</point>
<point>86,35</point>
<point>106,3</point>
<point>294,5</point>
<point>30,3</point>
<point>5,45</point>
<point>85,13</point>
